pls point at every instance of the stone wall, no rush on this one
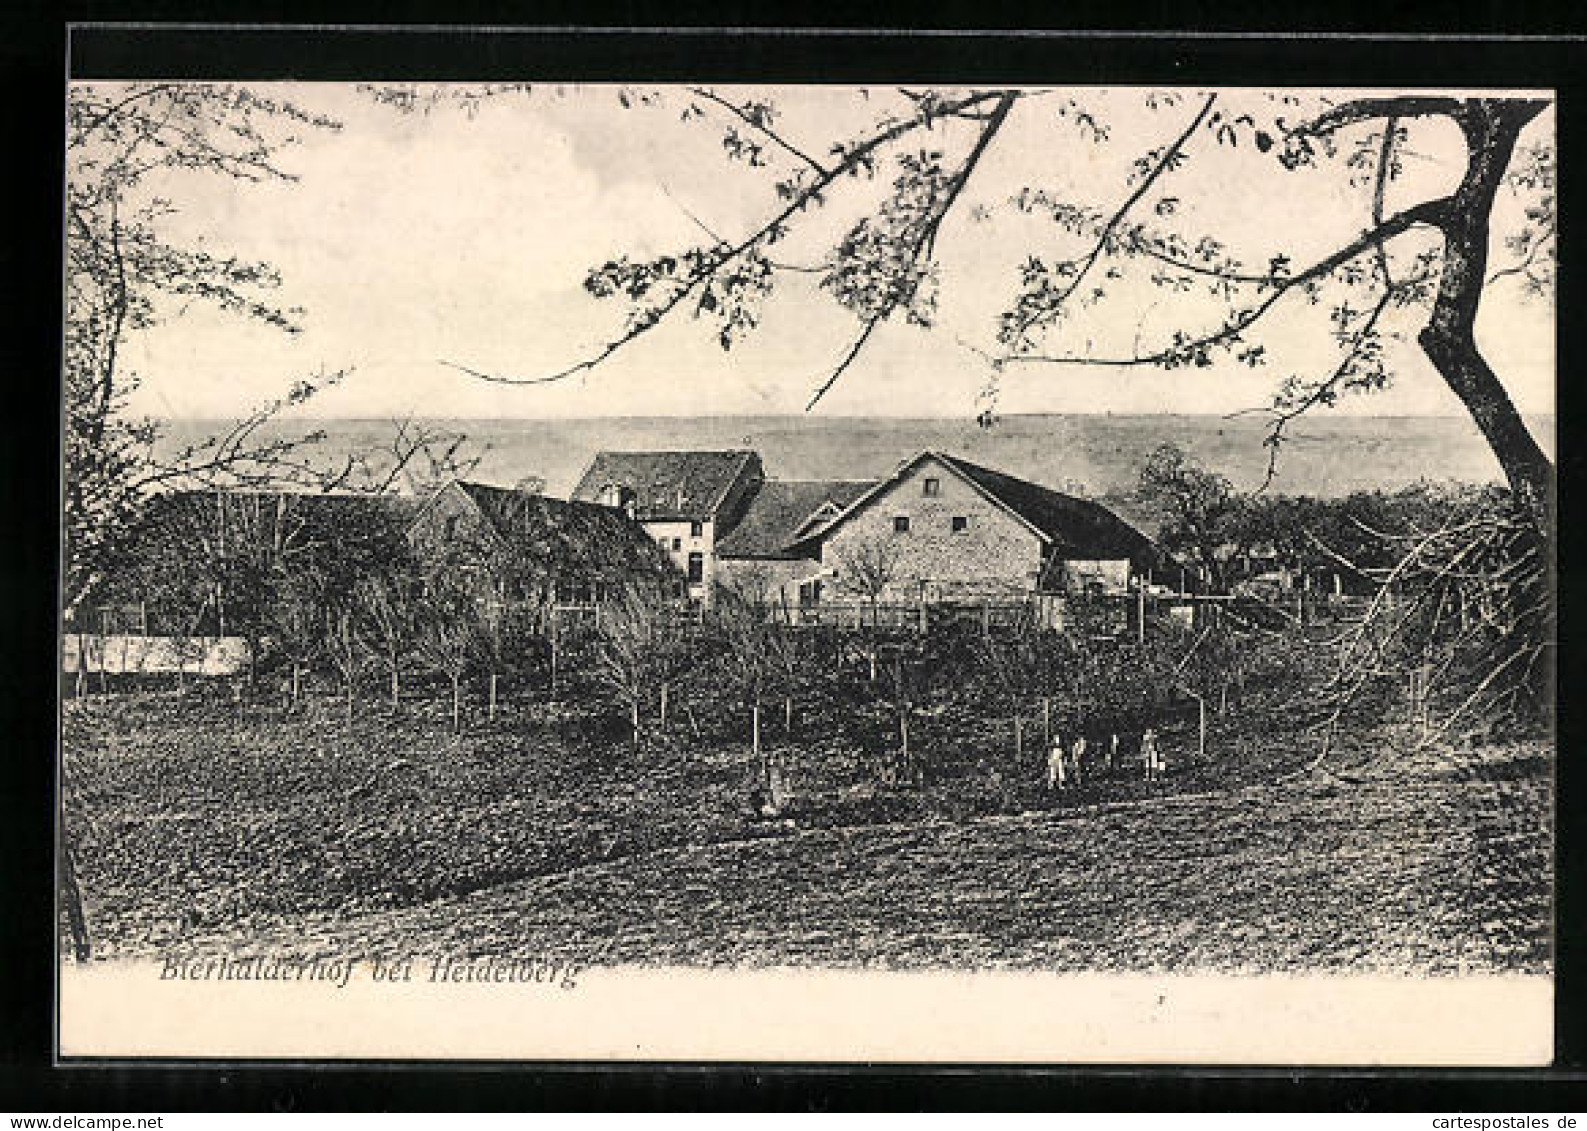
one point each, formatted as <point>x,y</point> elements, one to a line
<point>994,552</point>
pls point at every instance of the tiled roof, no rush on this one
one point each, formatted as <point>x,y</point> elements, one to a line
<point>688,486</point>
<point>199,505</point>
<point>1081,528</point>
<point>778,511</point>
<point>598,539</point>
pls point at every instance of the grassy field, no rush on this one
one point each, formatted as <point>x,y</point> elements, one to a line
<point>547,831</point>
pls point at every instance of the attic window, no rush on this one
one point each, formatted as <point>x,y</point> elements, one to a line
<point>696,529</point>
<point>901,524</point>
<point>451,528</point>
<point>960,524</point>
<point>931,488</point>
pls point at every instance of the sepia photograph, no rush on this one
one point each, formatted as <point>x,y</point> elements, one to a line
<point>806,571</point>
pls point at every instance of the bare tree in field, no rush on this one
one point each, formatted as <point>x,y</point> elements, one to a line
<point>295,619</point>
<point>388,606</point>
<point>632,637</point>
<point>447,640</point>
<point>867,566</point>
<point>747,665</point>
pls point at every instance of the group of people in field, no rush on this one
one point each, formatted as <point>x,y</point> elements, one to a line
<point>1065,766</point>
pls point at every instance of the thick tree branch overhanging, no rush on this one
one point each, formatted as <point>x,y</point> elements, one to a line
<point>1370,109</point>
<point>1426,213</point>
<point>1490,126</point>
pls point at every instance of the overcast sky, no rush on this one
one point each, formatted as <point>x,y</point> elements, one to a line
<point>408,239</point>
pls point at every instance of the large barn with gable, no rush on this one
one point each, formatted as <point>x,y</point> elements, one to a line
<point>940,527</point>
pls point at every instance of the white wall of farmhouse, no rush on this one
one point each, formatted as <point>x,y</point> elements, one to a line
<point>992,551</point>
<point>680,541</point>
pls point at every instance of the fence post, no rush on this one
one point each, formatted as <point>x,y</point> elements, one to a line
<point>1019,744</point>
<point>1046,722</point>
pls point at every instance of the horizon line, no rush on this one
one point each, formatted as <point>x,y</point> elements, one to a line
<point>833,417</point>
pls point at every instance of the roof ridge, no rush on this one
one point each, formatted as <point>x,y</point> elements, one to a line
<point>675,452</point>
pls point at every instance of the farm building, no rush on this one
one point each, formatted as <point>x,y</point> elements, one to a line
<point>197,565</point>
<point>941,528</point>
<point>517,546</point>
<point>686,501</point>
<point>212,566</point>
<point>759,558</point>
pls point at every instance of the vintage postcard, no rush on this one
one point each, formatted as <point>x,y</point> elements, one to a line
<point>792,572</point>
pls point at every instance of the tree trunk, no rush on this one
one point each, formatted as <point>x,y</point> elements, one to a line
<point>72,896</point>
<point>903,736</point>
<point>662,714</point>
<point>295,685</point>
<point>754,742</point>
<point>787,714</point>
<point>1491,127</point>
<point>457,704</point>
<point>490,712</point>
<point>396,684</point>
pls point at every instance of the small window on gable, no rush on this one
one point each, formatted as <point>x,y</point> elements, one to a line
<point>960,524</point>
<point>451,528</point>
<point>696,529</point>
<point>901,524</point>
<point>932,488</point>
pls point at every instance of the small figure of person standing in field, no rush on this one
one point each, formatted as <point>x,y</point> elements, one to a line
<point>1150,756</point>
<point>1057,778</point>
<point>1078,754</point>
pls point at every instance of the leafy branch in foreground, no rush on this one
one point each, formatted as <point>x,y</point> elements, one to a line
<point>883,265</point>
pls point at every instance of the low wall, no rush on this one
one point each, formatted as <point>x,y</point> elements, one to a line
<point>153,655</point>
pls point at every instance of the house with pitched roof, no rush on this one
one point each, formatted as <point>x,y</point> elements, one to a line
<point>940,527</point>
<point>688,502</point>
<point>761,556</point>
<point>518,546</point>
